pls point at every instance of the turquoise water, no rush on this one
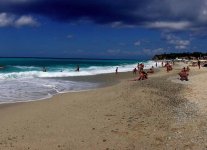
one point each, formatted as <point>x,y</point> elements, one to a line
<point>58,65</point>
<point>23,79</point>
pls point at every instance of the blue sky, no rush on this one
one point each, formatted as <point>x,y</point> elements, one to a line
<point>101,28</point>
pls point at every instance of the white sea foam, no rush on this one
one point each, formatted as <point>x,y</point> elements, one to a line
<point>37,88</point>
<point>68,72</point>
<point>26,67</point>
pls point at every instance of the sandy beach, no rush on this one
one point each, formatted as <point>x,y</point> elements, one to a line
<point>159,113</point>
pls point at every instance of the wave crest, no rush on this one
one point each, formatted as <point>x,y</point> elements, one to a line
<point>68,72</point>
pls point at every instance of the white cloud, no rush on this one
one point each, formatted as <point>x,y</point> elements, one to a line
<point>118,52</point>
<point>137,43</point>
<point>6,20</point>
<point>25,21</point>
<point>113,51</point>
<point>119,24</point>
<point>158,50</point>
<point>180,47</point>
<point>122,44</point>
<point>69,36</point>
<point>177,42</point>
<point>12,20</point>
<point>147,51</point>
<point>183,25</point>
<point>151,52</point>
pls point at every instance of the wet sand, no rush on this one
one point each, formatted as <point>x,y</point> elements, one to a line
<point>157,113</point>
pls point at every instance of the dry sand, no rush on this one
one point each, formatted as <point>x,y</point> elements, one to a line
<point>131,115</point>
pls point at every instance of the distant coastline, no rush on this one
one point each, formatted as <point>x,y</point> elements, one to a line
<point>193,55</point>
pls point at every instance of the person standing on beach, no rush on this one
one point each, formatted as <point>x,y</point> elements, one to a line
<point>116,70</point>
<point>135,71</point>
<point>141,67</point>
<point>199,64</point>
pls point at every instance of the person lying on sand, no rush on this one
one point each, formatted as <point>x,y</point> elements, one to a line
<point>151,70</point>
<point>183,74</point>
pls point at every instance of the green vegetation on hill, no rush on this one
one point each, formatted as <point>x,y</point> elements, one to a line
<point>180,55</point>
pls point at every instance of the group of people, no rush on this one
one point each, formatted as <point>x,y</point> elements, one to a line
<point>142,75</point>
<point>139,68</point>
<point>44,69</point>
<point>184,73</point>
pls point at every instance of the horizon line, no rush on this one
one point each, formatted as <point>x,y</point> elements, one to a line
<point>69,58</point>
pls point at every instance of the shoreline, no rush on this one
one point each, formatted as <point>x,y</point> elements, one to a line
<point>34,84</point>
<point>149,114</point>
<point>103,80</point>
<point>101,85</point>
<point>98,78</point>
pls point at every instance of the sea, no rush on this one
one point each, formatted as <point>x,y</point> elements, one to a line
<point>29,79</point>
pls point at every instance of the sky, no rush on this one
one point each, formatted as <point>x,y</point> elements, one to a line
<point>129,29</point>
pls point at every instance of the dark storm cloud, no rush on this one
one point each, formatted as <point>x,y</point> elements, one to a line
<point>159,14</point>
<point>102,11</point>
